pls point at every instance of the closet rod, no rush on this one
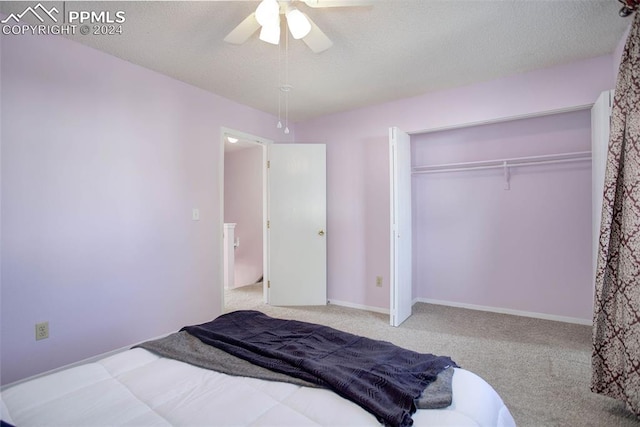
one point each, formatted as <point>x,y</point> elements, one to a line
<point>502,163</point>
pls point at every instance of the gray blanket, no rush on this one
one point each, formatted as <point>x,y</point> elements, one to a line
<point>438,394</point>
<point>186,348</point>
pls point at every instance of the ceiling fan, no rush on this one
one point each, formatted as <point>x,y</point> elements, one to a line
<point>267,18</point>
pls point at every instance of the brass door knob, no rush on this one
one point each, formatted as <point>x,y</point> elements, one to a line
<point>321,233</point>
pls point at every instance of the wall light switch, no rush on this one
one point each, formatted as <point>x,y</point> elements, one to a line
<point>195,214</point>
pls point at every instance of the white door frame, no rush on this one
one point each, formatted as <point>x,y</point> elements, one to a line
<point>400,274</point>
<point>264,143</point>
<point>600,129</point>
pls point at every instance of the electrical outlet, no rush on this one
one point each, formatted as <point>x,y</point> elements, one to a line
<point>379,281</point>
<point>42,330</point>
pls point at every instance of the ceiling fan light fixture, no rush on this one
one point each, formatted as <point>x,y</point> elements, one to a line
<point>270,33</point>
<point>298,23</point>
<point>267,12</point>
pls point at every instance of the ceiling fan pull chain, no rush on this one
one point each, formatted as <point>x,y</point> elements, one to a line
<point>286,78</point>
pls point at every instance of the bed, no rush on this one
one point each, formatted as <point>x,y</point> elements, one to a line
<point>143,387</point>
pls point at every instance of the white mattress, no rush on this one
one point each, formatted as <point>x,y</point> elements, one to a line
<point>138,388</point>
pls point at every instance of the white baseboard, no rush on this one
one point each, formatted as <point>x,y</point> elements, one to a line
<point>359,306</point>
<point>507,311</point>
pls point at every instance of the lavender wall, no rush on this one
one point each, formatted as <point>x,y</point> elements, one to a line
<point>243,205</point>
<point>102,163</point>
<point>527,248</point>
<point>357,160</point>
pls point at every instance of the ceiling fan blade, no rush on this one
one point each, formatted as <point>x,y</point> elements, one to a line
<point>316,39</point>
<point>243,31</point>
<point>338,3</point>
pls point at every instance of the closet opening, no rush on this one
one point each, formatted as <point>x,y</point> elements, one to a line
<point>502,218</point>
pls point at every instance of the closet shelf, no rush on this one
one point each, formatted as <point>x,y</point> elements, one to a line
<point>505,163</point>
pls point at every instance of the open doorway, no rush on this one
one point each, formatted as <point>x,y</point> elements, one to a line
<point>244,216</point>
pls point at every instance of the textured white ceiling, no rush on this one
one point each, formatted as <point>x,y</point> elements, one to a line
<point>391,50</point>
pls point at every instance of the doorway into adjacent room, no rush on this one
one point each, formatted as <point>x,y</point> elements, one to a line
<point>244,220</point>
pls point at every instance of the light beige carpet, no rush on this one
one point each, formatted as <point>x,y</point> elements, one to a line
<point>540,368</point>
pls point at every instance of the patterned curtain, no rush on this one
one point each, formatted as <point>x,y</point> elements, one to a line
<point>616,330</point>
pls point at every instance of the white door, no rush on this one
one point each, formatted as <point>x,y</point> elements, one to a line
<point>600,122</point>
<point>401,252</point>
<point>297,260</point>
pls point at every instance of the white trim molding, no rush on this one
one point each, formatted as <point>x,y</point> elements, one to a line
<point>359,306</point>
<point>545,316</point>
<point>503,119</point>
